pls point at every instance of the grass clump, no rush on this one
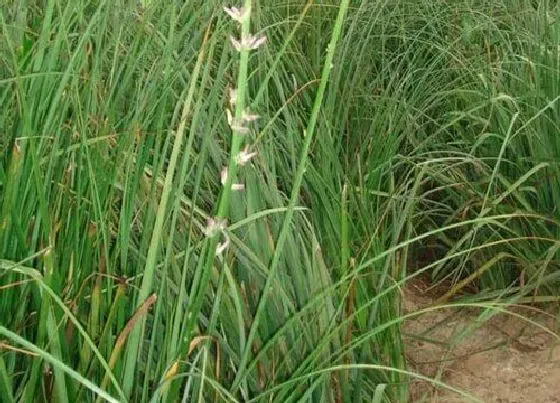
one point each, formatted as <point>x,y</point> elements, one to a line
<point>492,151</point>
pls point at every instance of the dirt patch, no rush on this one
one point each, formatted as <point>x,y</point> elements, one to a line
<point>503,359</point>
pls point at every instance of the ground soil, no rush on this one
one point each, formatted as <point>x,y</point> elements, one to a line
<point>504,359</point>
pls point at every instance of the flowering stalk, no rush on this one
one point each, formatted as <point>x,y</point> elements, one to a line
<point>243,366</point>
<point>239,121</point>
<point>216,233</point>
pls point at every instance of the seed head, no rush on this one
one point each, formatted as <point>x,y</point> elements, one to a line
<point>244,156</point>
<point>247,42</point>
<point>224,177</point>
<point>248,117</point>
<point>236,125</point>
<point>232,96</point>
<point>215,226</point>
<point>222,246</point>
<point>237,14</point>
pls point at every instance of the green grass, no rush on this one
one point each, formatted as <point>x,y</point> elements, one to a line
<point>385,126</point>
<point>494,149</point>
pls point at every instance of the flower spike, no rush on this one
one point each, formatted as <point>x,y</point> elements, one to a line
<point>237,14</point>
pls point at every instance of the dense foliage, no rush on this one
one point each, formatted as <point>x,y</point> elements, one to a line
<point>394,139</point>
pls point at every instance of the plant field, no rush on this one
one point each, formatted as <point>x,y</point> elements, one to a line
<point>204,200</point>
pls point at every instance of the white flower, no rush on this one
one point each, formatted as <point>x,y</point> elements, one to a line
<point>232,96</point>
<point>224,177</point>
<point>217,226</point>
<point>237,14</point>
<point>214,226</point>
<point>237,125</point>
<point>244,156</point>
<point>247,117</point>
<point>222,246</point>
<point>247,42</point>
<point>229,117</point>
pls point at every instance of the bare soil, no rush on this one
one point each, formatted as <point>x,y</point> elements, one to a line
<point>504,359</point>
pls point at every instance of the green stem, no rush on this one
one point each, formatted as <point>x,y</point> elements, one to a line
<point>224,203</point>
<point>201,281</point>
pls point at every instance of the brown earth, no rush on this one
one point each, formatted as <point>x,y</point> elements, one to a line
<point>503,359</point>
